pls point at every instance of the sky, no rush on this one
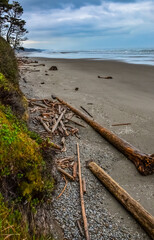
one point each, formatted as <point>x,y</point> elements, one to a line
<point>89,24</point>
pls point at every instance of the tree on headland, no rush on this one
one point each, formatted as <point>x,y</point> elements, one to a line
<point>12,25</point>
<point>3,11</point>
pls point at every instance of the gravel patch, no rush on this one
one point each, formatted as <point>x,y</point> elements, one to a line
<point>67,208</point>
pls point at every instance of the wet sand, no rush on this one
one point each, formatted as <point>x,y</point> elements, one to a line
<point>126,98</point>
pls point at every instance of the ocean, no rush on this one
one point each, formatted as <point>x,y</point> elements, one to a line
<point>136,56</point>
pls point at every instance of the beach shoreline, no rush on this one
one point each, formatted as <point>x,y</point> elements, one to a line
<point>126,97</point>
<point>143,56</point>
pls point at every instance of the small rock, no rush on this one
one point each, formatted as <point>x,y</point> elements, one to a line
<point>53,68</point>
<point>24,79</point>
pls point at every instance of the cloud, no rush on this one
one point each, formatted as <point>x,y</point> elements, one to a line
<point>109,18</point>
<point>31,42</point>
<point>107,15</point>
<point>34,5</point>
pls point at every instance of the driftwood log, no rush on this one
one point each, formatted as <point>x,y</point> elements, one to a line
<point>143,162</point>
<point>145,219</point>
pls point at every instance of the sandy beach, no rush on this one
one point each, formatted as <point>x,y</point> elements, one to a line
<point>126,98</point>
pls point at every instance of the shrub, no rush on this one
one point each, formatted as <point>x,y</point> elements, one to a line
<point>8,62</point>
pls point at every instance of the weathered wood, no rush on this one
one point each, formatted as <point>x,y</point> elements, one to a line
<point>120,124</point>
<point>39,104</point>
<point>44,125</point>
<point>108,77</point>
<point>71,158</point>
<point>80,228</point>
<point>86,111</point>
<point>84,185</point>
<point>37,65</point>
<point>139,213</point>
<point>64,128</point>
<point>56,124</point>
<point>81,197</point>
<point>66,174</point>
<point>79,124</point>
<point>143,162</point>
<point>47,144</point>
<point>75,165</point>
<point>63,188</point>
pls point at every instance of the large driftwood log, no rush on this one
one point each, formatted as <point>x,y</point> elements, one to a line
<point>139,213</point>
<point>143,162</point>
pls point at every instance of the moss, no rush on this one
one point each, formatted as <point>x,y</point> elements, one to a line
<point>8,62</point>
<point>21,156</point>
<point>11,95</point>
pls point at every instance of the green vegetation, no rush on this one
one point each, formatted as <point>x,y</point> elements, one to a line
<point>11,224</point>
<point>12,27</point>
<point>21,166</point>
<point>19,156</point>
<point>23,174</point>
<point>24,182</point>
<point>8,62</point>
<point>11,95</point>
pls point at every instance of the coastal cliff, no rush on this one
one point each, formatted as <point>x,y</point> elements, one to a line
<point>22,183</point>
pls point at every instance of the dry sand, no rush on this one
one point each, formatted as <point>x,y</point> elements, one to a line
<point>127,97</point>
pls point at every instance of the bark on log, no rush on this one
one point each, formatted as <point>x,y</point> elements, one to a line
<point>145,219</point>
<point>143,162</point>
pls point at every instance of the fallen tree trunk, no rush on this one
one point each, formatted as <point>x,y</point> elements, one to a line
<point>143,162</point>
<point>139,213</point>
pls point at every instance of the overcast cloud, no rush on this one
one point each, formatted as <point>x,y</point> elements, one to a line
<point>91,24</point>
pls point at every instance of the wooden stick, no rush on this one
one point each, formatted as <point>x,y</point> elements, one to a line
<point>79,124</point>
<point>56,124</point>
<point>139,213</point>
<point>37,65</point>
<point>143,162</point>
<point>81,196</point>
<point>71,158</point>
<point>86,111</point>
<point>30,70</point>
<point>75,170</point>
<point>66,174</point>
<point>39,104</point>
<point>108,77</point>
<point>63,188</point>
<point>44,125</point>
<point>51,144</point>
<point>64,128</point>
<point>84,185</point>
<point>47,104</point>
<point>35,99</point>
<point>80,228</point>
<point>64,145</point>
<point>120,124</point>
